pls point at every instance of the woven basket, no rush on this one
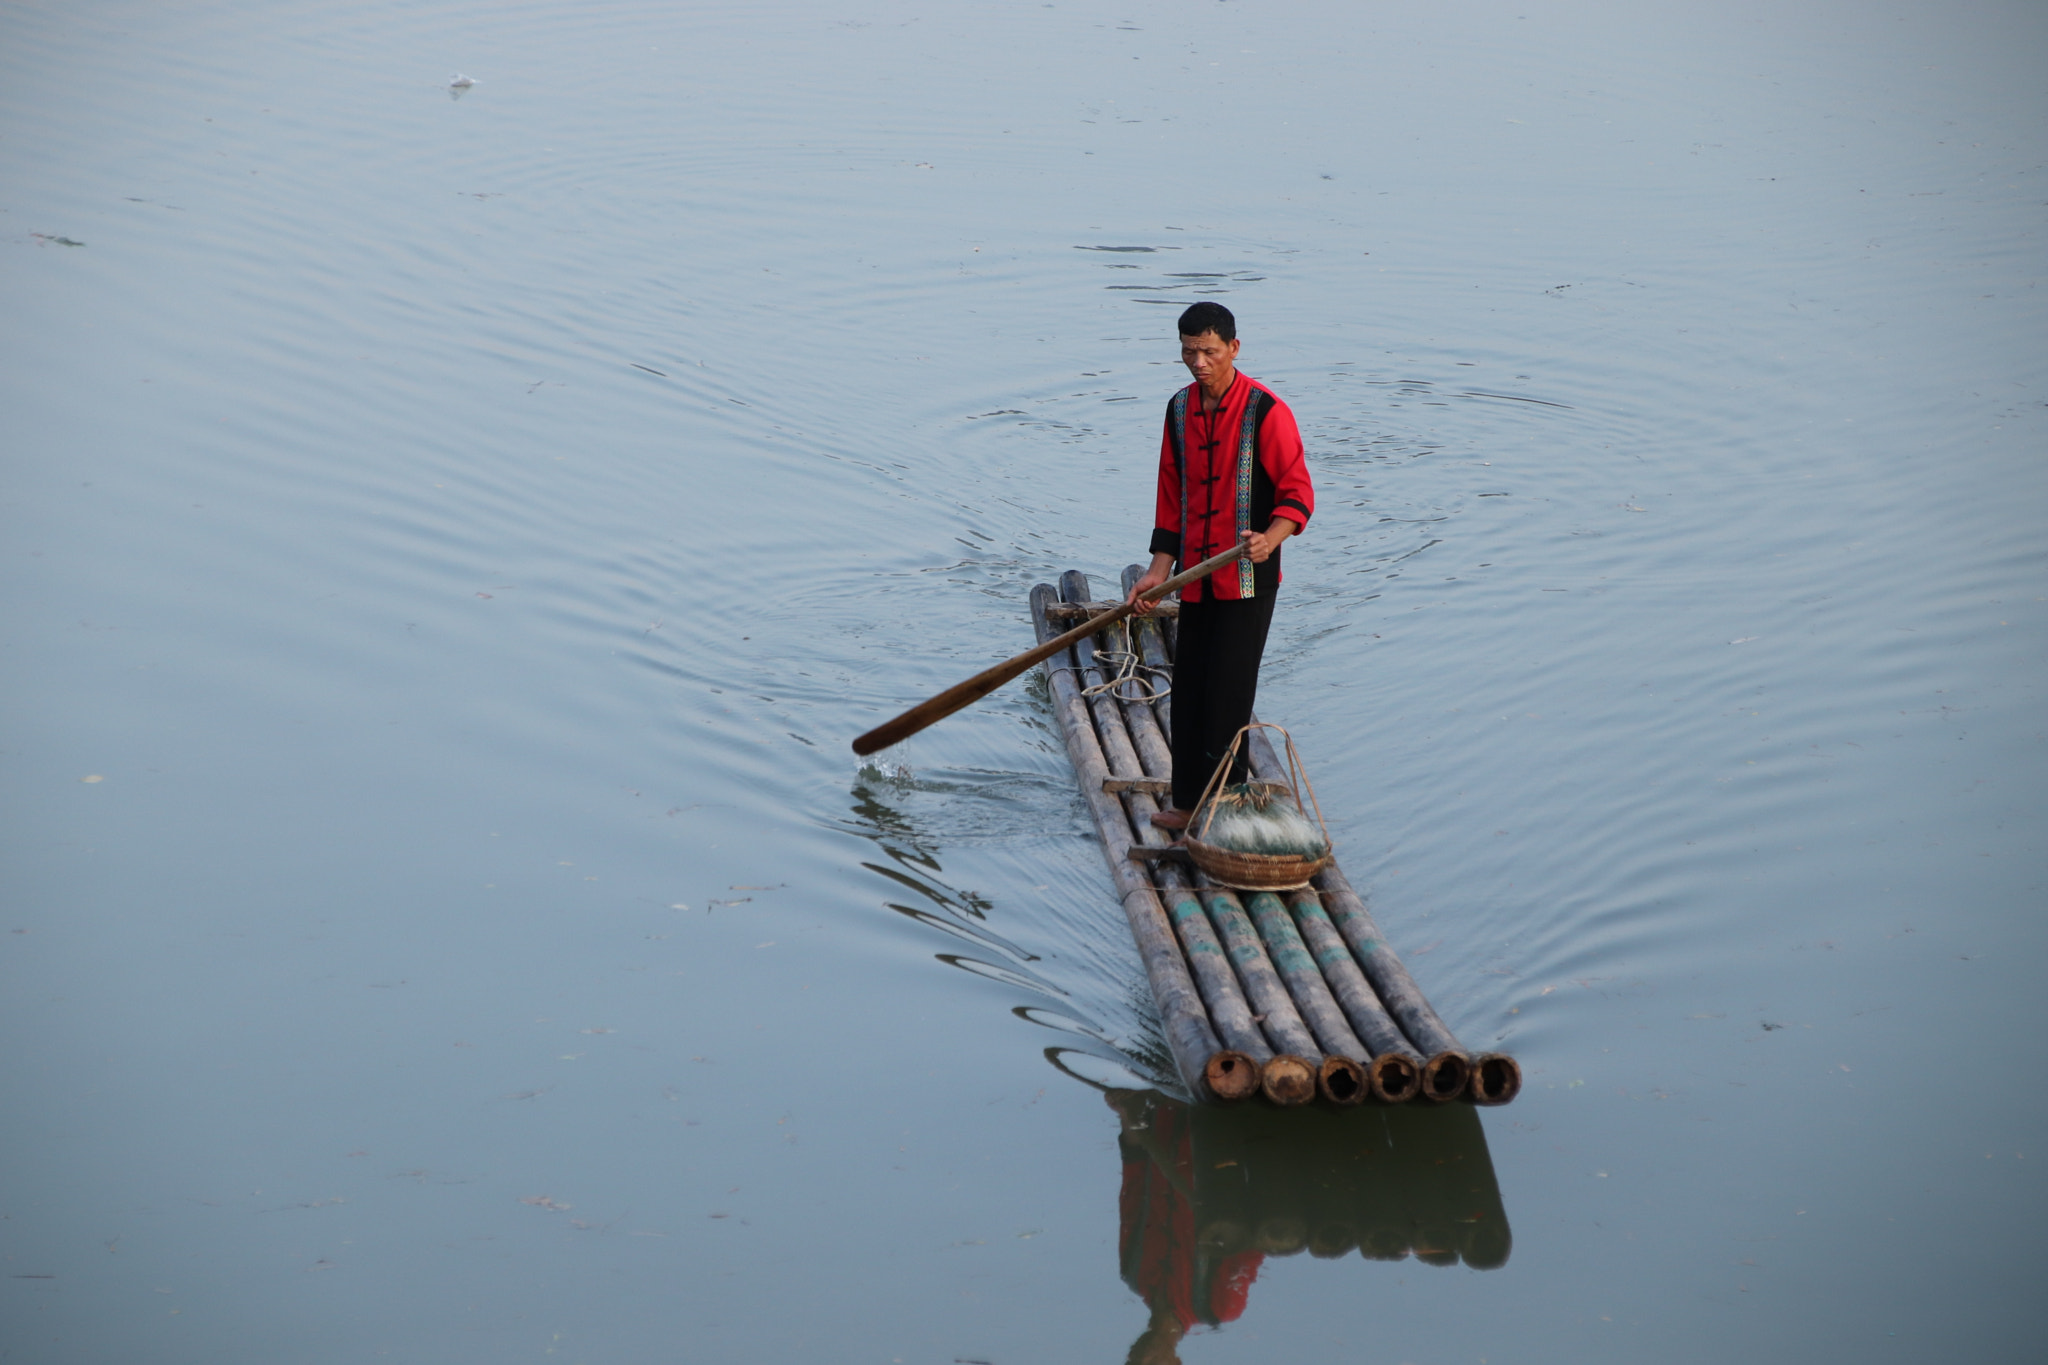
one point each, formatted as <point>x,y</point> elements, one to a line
<point>1256,871</point>
<point>1253,871</point>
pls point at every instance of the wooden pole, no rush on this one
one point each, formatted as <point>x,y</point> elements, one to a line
<point>1189,1036</point>
<point>966,693</point>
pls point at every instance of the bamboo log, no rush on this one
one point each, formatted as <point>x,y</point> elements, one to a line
<point>1305,985</point>
<point>1228,1010</point>
<point>1238,1070</point>
<point>1152,647</point>
<point>1288,1080</point>
<point>1105,709</point>
<point>1189,1036</point>
<point>1342,1081</point>
<point>1449,1065</point>
<point>1153,749</point>
<point>1445,1073</point>
<point>1268,995</point>
<point>1395,1073</point>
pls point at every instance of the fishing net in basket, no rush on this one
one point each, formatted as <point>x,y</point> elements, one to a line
<point>1257,835</point>
<point>1261,817</point>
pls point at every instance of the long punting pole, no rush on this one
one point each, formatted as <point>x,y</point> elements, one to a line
<point>965,694</point>
<point>1204,1064</point>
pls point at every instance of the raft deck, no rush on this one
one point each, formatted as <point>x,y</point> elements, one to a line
<point>1291,995</point>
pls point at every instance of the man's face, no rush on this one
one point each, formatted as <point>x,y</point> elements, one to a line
<point>1208,357</point>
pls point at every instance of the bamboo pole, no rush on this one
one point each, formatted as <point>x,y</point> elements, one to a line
<point>1238,1070</point>
<point>1395,1072</point>
<point>1153,648</point>
<point>1229,1013</point>
<point>1311,996</point>
<point>1448,1068</point>
<point>1496,1078</point>
<point>1294,1083</point>
<point>1106,710</point>
<point>1449,1065</point>
<point>1189,1036</point>
<point>963,694</point>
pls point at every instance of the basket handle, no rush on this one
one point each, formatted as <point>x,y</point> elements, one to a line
<point>1297,778</point>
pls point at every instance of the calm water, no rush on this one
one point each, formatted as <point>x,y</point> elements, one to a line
<point>449,543</point>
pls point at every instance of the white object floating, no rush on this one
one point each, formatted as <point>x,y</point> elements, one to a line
<point>461,82</point>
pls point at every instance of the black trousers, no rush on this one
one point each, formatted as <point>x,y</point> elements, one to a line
<point>1215,678</point>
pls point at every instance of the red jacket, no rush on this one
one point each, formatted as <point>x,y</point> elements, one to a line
<point>1225,472</point>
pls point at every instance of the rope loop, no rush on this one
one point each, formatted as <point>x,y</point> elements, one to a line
<point>1148,683</point>
<point>1123,666</point>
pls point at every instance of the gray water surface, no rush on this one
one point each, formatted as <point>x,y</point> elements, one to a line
<point>452,536</point>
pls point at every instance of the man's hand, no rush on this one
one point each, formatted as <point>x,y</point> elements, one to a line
<point>1261,544</point>
<point>1161,570</point>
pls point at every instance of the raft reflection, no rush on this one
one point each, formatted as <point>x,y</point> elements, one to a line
<point>1210,1192</point>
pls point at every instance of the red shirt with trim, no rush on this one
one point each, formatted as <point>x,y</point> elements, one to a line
<point>1207,471</point>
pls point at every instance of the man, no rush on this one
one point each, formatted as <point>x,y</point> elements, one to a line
<point>1231,468</point>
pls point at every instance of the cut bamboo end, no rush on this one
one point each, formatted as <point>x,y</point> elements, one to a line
<point>1231,1076</point>
<point>1496,1078</point>
<point>1395,1079</point>
<point>1288,1080</point>
<point>1329,1240</point>
<point>1342,1081</point>
<point>1444,1076</point>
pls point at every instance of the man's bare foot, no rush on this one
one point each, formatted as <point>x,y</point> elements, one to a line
<point>1172,818</point>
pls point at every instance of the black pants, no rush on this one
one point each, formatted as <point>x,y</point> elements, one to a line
<point>1215,678</point>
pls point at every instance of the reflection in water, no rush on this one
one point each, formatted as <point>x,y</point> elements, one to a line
<point>913,866</point>
<point>953,910</point>
<point>1210,1192</point>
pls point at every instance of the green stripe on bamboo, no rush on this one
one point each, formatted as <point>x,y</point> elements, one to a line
<point>1448,1067</point>
<point>1395,1071</point>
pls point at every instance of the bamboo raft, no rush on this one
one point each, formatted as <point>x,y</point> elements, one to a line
<point>1291,998</point>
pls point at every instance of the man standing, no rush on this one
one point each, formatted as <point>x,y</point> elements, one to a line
<point>1231,468</point>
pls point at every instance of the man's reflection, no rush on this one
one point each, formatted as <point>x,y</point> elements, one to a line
<point>1183,1280</point>
<point>1209,1193</point>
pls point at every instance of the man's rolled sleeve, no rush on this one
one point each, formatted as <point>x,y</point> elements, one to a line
<point>1286,463</point>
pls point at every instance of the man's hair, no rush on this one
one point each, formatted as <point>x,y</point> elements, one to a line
<point>1209,317</point>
